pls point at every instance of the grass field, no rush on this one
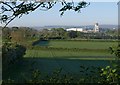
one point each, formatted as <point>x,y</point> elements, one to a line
<point>87,49</point>
<point>79,44</point>
<point>68,54</point>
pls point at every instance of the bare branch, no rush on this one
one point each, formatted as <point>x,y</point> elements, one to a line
<point>9,21</point>
<point>19,9</point>
<point>8,6</point>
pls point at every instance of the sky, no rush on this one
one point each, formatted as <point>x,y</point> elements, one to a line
<point>101,12</point>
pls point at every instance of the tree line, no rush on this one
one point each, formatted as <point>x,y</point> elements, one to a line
<point>21,34</point>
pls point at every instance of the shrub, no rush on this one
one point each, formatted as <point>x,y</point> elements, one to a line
<point>11,53</point>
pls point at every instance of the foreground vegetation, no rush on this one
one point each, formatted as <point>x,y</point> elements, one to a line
<point>38,71</point>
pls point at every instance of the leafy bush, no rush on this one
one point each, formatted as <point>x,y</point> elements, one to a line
<point>11,53</point>
<point>111,75</point>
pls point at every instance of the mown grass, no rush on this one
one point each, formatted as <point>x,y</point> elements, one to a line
<point>79,44</point>
<point>71,49</point>
<point>68,54</point>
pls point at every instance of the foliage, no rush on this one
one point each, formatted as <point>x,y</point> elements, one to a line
<point>9,81</point>
<point>11,53</point>
<point>72,34</point>
<point>89,75</point>
<point>116,51</point>
<point>24,35</point>
<point>20,35</point>
<point>55,77</point>
<point>6,35</point>
<point>11,10</point>
<point>61,33</point>
<point>110,75</point>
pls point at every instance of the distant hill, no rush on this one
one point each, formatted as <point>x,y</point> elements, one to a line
<point>104,26</point>
<point>109,26</point>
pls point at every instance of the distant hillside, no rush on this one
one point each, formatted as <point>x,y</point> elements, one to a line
<point>108,26</point>
<point>104,26</point>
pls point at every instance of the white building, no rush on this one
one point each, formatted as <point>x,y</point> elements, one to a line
<point>96,27</point>
<point>75,29</point>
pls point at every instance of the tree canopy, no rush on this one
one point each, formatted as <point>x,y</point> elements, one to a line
<point>13,9</point>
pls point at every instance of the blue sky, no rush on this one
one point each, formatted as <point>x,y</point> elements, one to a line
<point>101,12</point>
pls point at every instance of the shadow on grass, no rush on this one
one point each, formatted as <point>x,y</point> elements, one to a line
<point>48,65</point>
<point>41,43</point>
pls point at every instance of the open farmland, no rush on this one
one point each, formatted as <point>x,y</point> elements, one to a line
<point>72,49</point>
<point>68,54</point>
<point>83,44</point>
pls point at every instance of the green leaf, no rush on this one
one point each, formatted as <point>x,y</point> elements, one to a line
<point>116,75</point>
<point>102,69</point>
<point>114,70</point>
<point>104,72</point>
<point>107,67</point>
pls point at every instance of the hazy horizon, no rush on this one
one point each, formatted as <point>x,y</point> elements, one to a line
<point>68,25</point>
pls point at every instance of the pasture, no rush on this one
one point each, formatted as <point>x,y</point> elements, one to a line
<point>82,44</point>
<point>87,55</point>
<point>72,49</point>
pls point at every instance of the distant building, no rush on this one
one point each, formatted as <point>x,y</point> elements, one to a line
<point>96,27</point>
<point>75,29</point>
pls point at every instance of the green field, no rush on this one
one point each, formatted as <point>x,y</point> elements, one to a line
<point>78,44</point>
<point>85,50</point>
<point>68,54</point>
